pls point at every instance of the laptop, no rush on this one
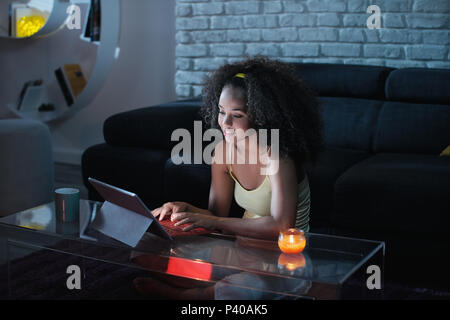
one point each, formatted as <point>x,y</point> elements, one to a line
<point>124,216</point>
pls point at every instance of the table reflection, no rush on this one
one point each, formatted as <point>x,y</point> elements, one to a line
<point>224,269</point>
<point>43,218</point>
<point>291,263</point>
<point>223,266</point>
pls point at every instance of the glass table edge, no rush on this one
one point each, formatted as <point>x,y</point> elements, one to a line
<point>214,234</point>
<point>120,246</point>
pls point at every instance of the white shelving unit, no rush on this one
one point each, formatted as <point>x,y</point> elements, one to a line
<point>107,52</point>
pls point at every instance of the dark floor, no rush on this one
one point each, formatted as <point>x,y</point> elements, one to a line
<point>69,176</point>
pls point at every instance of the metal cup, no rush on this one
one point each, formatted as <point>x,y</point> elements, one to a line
<point>67,204</point>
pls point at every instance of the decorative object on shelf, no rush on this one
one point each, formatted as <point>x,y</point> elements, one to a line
<point>53,93</point>
<point>292,240</point>
<point>26,19</point>
<point>93,22</point>
<point>46,107</point>
<point>29,25</point>
<point>71,80</point>
<point>23,92</point>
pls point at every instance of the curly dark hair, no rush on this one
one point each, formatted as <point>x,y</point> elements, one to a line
<point>276,98</point>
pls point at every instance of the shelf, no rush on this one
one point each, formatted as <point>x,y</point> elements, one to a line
<point>106,54</point>
<point>55,21</point>
<point>89,40</point>
<point>44,116</point>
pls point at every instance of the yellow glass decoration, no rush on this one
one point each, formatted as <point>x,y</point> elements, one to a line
<point>27,26</point>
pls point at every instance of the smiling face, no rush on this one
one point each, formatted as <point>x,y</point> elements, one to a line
<point>233,119</point>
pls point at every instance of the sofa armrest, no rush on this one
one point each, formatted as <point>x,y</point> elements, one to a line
<point>26,165</point>
<point>151,127</point>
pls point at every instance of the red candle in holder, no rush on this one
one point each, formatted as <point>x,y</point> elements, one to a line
<point>292,240</point>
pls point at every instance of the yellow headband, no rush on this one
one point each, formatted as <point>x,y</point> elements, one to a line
<point>240,75</point>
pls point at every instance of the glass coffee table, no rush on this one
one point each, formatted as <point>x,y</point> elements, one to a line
<point>33,241</point>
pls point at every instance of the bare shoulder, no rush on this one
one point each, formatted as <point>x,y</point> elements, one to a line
<point>220,156</point>
<point>286,168</point>
<point>281,168</point>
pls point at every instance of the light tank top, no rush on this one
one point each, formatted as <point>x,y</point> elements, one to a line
<point>256,202</point>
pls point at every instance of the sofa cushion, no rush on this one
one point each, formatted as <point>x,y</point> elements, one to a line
<point>151,127</point>
<point>134,169</point>
<point>446,152</point>
<point>331,163</point>
<point>419,85</point>
<point>187,182</point>
<point>412,128</point>
<point>349,123</point>
<point>395,193</point>
<point>336,80</point>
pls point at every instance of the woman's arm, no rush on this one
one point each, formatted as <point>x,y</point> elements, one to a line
<point>261,228</point>
<point>222,185</point>
<point>282,211</point>
<point>283,208</point>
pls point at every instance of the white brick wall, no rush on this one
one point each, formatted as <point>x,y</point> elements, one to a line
<point>210,33</point>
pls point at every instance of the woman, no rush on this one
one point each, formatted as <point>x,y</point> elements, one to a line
<point>268,180</point>
<point>258,94</point>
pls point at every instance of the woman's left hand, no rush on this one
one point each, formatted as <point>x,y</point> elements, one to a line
<point>195,220</point>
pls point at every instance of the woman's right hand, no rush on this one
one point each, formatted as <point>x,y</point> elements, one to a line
<point>170,207</point>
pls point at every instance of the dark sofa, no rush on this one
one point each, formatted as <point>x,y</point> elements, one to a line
<point>380,175</point>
